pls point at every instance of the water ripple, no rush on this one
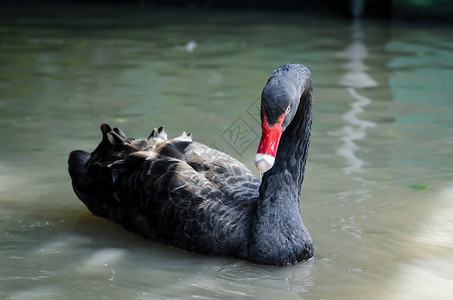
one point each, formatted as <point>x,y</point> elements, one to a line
<point>292,278</point>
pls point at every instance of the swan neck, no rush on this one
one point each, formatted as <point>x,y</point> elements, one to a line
<point>287,174</point>
<point>279,235</point>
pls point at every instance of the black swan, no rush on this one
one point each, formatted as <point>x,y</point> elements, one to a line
<point>190,196</point>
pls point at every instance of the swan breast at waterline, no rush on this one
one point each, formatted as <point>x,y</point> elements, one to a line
<point>193,197</point>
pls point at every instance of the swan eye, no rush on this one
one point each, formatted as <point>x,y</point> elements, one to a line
<point>288,109</point>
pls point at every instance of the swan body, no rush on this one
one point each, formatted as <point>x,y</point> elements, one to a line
<point>193,197</point>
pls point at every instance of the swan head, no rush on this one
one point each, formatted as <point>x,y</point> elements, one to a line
<point>279,103</point>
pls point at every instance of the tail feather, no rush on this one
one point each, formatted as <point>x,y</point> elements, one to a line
<point>94,175</point>
<point>97,176</point>
<point>87,185</point>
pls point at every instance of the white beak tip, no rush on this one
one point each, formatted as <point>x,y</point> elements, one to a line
<point>264,162</point>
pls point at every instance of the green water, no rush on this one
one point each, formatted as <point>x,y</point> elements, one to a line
<point>378,191</point>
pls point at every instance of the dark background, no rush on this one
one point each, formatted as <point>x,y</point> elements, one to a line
<point>418,10</point>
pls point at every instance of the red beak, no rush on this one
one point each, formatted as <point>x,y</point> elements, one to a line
<point>267,149</point>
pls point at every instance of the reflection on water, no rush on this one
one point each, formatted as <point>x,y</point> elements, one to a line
<point>377,133</point>
<point>354,79</point>
<point>355,129</point>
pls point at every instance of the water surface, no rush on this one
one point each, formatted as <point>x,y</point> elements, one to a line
<point>378,190</point>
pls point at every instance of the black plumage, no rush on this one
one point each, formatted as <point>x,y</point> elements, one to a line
<point>188,195</point>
